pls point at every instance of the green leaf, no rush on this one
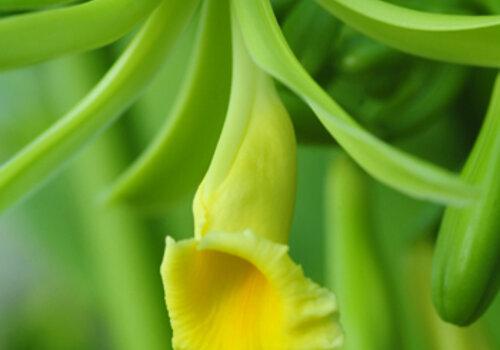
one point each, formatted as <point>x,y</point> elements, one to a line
<point>451,38</point>
<point>402,171</point>
<point>115,92</point>
<point>29,38</point>
<point>466,263</point>
<point>174,165</point>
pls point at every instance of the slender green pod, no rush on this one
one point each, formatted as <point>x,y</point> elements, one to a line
<point>353,268</point>
<point>121,86</point>
<point>194,125</point>
<point>467,258</point>
<point>33,37</point>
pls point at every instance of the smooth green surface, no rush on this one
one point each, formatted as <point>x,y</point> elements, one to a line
<point>467,256</point>
<point>450,38</point>
<point>114,93</point>
<point>33,37</point>
<point>402,171</point>
<point>9,5</point>
<point>194,125</point>
<point>354,269</point>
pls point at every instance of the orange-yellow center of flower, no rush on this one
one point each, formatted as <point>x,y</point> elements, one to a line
<point>234,305</point>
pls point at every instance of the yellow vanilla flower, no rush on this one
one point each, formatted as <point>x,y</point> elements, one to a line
<point>233,286</point>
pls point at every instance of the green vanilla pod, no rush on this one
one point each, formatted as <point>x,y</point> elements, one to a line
<point>438,335</point>
<point>465,274</point>
<point>354,269</point>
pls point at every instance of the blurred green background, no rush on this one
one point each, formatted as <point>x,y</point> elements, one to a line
<point>76,273</point>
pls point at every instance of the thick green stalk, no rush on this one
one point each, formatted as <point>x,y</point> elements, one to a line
<point>120,87</point>
<point>467,259</point>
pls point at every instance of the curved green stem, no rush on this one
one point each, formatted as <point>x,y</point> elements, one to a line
<point>389,165</point>
<point>450,38</point>
<point>29,38</point>
<point>116,91</point>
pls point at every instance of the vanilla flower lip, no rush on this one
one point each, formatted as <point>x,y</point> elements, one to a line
<point>241,291</point>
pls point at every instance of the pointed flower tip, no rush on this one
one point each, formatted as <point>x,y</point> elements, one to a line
<point>169,241</point>
<point>241,291</point>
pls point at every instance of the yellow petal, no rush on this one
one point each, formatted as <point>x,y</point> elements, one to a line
<point>239,291</point>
